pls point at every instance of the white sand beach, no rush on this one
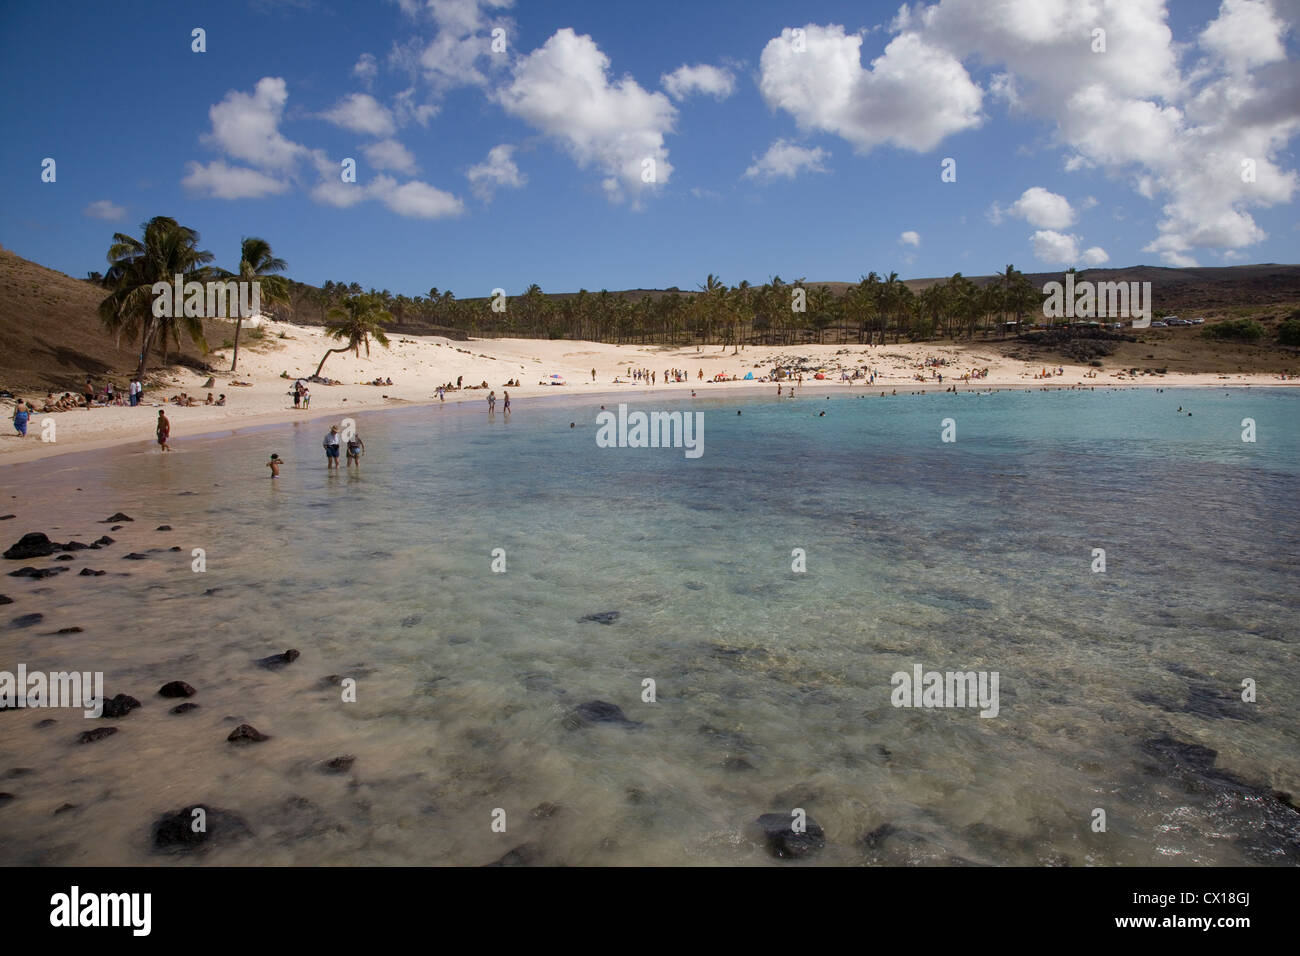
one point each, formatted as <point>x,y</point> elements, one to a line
<point>417,365</point>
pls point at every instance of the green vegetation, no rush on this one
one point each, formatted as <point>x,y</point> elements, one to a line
<point>1288,332</point>
<point>1240,330</point>
<point>359,319</point>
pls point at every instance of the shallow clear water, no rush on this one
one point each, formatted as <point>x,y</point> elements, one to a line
<point>773,687</point>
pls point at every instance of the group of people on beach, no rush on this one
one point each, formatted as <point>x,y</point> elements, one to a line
<point>492,403</point>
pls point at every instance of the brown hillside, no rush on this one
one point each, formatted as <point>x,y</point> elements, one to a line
<point>51,337</point>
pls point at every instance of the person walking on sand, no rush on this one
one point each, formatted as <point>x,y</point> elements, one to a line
<point>505,405</point>
<point>356,448</point>
<point>492,402</point>
<point>331,444</point>
<point>164,431</point>
<point>21,414</point>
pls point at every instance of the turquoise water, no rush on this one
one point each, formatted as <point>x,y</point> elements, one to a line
<point>773,687</point>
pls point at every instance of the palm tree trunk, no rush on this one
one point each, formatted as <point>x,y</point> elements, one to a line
<point>345,348</point>
<point>235,360</point>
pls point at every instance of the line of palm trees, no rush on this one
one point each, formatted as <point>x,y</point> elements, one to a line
<point>769,314</point>
<point>166,249</point>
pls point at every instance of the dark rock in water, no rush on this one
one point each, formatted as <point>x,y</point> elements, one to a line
<point>88,573</point>
<point>36,574</point>
<point>135,556</point>
<point>185,830</point>
<point>19,771</point>
<point>65,557</point>
<point>47,722</point>
<point>695,585</point>
<point>278,660</point>
<point>544,811</point>
<point>603,617</point>
<point>737,763</point>
<point>1183,756</point>
<point>116,527</point>
<point>116,517</point>
<point>340,764</point>
<point>176,548</point>
<point>411,621</point>
<point>27,620</point>
<point>176,688</point>
<point>526,854</point>
<point>246,734</point>
<point>99,733</point>
<point>183,708</point>
<point>6,599</point>
<point>163,527</point>
<point>211,591</point>
<point>120,706</point>
<point>784,843</point>
<point>1206,700</point>
<point>32,545</point>
<point>69,630</point>
<point>64,808</point>
<point>5,798</point>
<point>457,639</point>
<point>7,517</point>
<point>75,546</point>
<point>103,541</point>
<point>597,712</point>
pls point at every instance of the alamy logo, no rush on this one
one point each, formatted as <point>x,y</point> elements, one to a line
<point>652,430</point>
<point>206,300</point>
<point>946,689</point>
<point>74,908</point>
<point>82,689</point>
<point>1089,300</point>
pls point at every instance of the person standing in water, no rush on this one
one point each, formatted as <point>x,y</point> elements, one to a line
<point>331,444</point>
<point>356,448</point>
<point>492,402</point>
<point>505,405</point>
<point>164,431</point>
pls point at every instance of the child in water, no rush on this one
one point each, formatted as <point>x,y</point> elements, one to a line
<point>274,464</point>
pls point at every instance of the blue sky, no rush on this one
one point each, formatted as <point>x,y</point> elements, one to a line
<point>815,155</point>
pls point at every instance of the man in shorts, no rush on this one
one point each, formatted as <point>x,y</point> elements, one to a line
<point>331,444</point>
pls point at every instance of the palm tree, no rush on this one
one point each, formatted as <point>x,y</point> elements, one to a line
<point>166,250</point>
<point>258,264</point>
<point>359,319</point>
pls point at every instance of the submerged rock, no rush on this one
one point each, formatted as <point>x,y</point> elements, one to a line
<point>120,706</point>
<point>99,733</point>
<point>176,688</point>
<point>782,840</point>
<point>6,599</point>
<point>597,712</point>
<point>526,854</point>
<point>186,830</point>
<point>117,517</point>
<point>103,541</point>
<point>65,557</point>
<point>544,811</point>
<point>278,660</point>
<point>247,734</point>
<point>36,574</point>
<point>163,527</point>
<point>135,556</point>
<point>32,545</point>
<point>88,573</point>
<point>70,630</point>
<point>340,764</point>
<point>183,708</point>
<point>27,620</point>
<point>602,617</point>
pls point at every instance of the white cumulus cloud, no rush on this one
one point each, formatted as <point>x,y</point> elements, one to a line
<point>687,80</point>
<point>246,126</point>
<point>498,171</point>
<point>362,113</point>
<point>912,96</point>
<point>784,159</point>
<point>563,89</point>
<point>390,154</point>
<point>219,180</point>
<point>910,238</point>
<point>105,209</point>
<point>1039,207</point>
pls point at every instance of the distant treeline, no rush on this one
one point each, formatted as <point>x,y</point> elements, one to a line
<point>875,310</point>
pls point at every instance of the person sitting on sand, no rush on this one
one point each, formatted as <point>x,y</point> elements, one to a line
<point>274,464</point>
<point>211,400</point>
<point>221,399</point>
